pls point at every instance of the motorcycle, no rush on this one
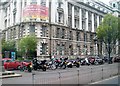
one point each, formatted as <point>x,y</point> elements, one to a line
<point>26,67</point>
<point>84,62</point>
<point>51,65</point>
<point>39,64</point>
<point>62,63</point>
<point>69,64</point>
<point>76,63</point>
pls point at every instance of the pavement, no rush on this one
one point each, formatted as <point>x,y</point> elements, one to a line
<point>9,74</point>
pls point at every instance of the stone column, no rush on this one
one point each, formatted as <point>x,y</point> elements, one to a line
<point>80,19</point>
<point>86,20</point>
<point>93,22</point>
<point>73,23</point>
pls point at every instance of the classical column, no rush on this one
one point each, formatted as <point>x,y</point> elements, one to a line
<point>86,20</point>
<point>80,19</point>
<point>66,13</point>
<point>73,25</point>
<point>93,22</point>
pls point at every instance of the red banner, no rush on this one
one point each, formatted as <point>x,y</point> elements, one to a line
<point>35,11</point>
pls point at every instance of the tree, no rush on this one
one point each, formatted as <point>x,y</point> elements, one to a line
<point>108,32</point>
<point>27,45</point>
<point>8,46</point>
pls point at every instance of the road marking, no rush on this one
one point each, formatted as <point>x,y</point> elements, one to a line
<point>104,80</point>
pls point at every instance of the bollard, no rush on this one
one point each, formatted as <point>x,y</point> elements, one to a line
<point>59,78</point>
<point>102,72</point>
<point>91,75</point>
<point>78,76</point>
<point>33,75</point>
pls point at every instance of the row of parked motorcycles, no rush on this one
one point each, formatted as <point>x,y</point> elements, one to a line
<point>61,63</point>
<point>53,64</point>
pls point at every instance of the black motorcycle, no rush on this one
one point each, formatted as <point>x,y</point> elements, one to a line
<point>39,64</point>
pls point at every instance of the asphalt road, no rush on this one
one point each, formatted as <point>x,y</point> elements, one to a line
<point>82,75</point>
<point>111,80</point>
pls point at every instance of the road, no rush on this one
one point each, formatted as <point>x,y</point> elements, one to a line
<point>111,80</point>
<point>82,75</point>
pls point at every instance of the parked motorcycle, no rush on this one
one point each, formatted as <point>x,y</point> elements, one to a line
<point>83,61</point>
<point>69,64</point>
<point>26,67</point>
<point>51,65</point>
<point>62,63</point>
<point>76,63</point>
<point>39,64</point>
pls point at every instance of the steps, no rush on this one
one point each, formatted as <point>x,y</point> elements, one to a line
<point>9,74</point>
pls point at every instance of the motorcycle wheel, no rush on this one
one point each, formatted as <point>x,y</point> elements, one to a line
<point>35,68</point>
<point>44,69</point>
<point>29,70</point>
<point>77,65</point>
<point>64,67</point>
<point>53,67</point>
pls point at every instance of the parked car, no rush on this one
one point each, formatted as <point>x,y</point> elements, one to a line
<point>10,64</point>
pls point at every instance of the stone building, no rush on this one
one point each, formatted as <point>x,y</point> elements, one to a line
<point>62,27</point>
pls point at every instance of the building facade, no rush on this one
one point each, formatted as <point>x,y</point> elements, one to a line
<point>62,27</point>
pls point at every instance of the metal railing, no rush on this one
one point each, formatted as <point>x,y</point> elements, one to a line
<point>82,75</point>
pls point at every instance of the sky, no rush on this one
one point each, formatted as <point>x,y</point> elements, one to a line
<point>105,1</point>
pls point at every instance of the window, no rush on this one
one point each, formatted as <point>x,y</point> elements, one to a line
<point>5,12</point>
<point>58,33</point>
<point>44,29</point>
<point>33,2</point>
<point>32,29</point>
<point>43,2</point>
<point>9,8</point>
<point>69,21</point>
<point>44,46</point>
<point>25,3</point>
<point>15,4</point>
<point>76,23</point>
<point>71,36</point>
<point>71,49</point>
<point>91,37</point>
<point>5,23</point>
<point>63,33</point>
<point>60,17</point>
<point>58,49</point>
<point>76,10</point>
<point>14,33</point>
<point>85,36</point>
<point>69,9</point>
<point>62,50</point>
<point>78,36</point>
<point>113,5</point>
<point>14,17</point>
<point>9,22</point>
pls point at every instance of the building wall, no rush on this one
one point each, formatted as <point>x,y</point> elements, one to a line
<point>71,34</point>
